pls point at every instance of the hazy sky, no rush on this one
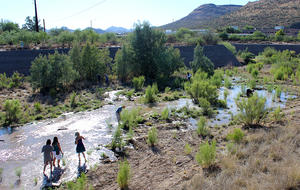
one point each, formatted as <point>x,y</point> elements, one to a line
<point>103,13</point>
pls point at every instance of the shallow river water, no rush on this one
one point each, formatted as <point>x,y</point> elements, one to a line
<point>21,147</point>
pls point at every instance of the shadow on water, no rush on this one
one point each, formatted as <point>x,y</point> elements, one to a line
<point>81,169</point>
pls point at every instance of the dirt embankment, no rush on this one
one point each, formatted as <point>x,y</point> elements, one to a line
<point>267,158</point>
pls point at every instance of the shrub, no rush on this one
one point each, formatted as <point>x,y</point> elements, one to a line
<point>129,94</point>
<point>73,103</point>
<point>54,71</point>
<point>123,175</point>
<point>18,172</point>
<point>202,89</point>
<point>12,110</point>
<point>117,141</point>
<point>138,83</point>
<point>129,118</point>
<point>277,115</point>
<point>150,95</point>
<point>202,129</point>
<point>246,56</point>
<point>187,149</point>
<point>254,73</point>
<point>206,107</point>
<point>252,110</point>
<point>227,83</point>
<point>165,114</point>
<point>278,91</point>
<point>207,154</point>
<point>167,90</point>
<point>152,136</point>
<point>250,68</point>
<point>81,183</point>
<point>155,88</point>
<point>236,136</point>
<point>37,107</point>
<point>217,78</point>
<point>252,83</point>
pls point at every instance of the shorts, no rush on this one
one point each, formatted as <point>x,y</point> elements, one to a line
<point>57,157</point>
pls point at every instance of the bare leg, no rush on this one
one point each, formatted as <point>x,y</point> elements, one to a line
<point>58,161</point>
<point>84,156</point>
<point>50,168</point>
<point>54,159</point>
<point>45,165</point>
<point>79,157</point>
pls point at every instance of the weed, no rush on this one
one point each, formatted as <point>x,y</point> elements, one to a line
<point>130,134</point>
<point>89,152</point>
<point>226,93</point>
<point>99,93</point>
<point>277,114</point>
<point>130,118</point>
<point>252,83</point>
<point>64,162</point>
<point>152,136</point>
<point>207,154</point>
<point>123,175</point>
<point>165,114</point>
<point>202,129</point>
<point>254,73</point>
<point>236,136</point>
<point>155,88</point>
<point>243,90</point>
<point>80,184</point>
<point>187,149</point>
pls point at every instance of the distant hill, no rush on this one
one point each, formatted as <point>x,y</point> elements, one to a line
<point>260,14</point>
<point>115,29</point>
<point>263,14</point>
<point>202,16</point>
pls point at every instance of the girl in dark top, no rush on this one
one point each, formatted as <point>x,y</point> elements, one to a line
<point>57,152</point>
<point>80,146</point>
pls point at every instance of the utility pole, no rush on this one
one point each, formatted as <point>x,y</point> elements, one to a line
<point>36,18</point>
<point>44,25</point>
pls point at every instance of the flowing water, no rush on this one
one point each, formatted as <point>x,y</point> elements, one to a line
<point>21,147</point>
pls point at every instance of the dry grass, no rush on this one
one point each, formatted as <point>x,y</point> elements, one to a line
<point>268,159</point>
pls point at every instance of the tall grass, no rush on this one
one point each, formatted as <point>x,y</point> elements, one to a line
<point>152,136</point>
<point>138,83</point>
<point>130,118</point>
<point>123,175</point>
<point>201,127</point>
<point>150,96</point>
<point>206,155</point>
<point>165,114</point>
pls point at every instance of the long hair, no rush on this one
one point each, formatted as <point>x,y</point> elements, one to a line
<point>55,141</point>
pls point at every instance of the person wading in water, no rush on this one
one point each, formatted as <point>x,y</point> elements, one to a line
<point>80,146</point>
<point>57,152</point>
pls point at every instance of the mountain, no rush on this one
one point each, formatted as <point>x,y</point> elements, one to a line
<point>97,30</point>
<point>263,14</point>
<point>115,29</point>
<point>202,16</point>
<point>260,14</point>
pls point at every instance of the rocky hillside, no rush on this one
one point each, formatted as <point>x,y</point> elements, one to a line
<point>263,14</point>
<point>202,16</point>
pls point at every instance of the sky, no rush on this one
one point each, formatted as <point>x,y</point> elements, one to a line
<point>79,14</point>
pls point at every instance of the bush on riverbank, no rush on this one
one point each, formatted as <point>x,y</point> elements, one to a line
<point>12,113</point>
<point>252,110</point>
<point>123,175</point>
<point>207,154</point>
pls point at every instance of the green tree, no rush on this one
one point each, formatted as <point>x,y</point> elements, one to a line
<point>93,62</point>
<point>52,72</point>
<point>279,35</point>
<point>8,26</point>
<point>65,37</point>
<point>124,61</point>
<point>147,55</point>
<point>201,61</point>
<point>30,24</point>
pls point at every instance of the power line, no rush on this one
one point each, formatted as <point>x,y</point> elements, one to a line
<point>80,12</point>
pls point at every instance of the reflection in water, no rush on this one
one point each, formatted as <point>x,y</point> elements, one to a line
<point>81,169</point>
